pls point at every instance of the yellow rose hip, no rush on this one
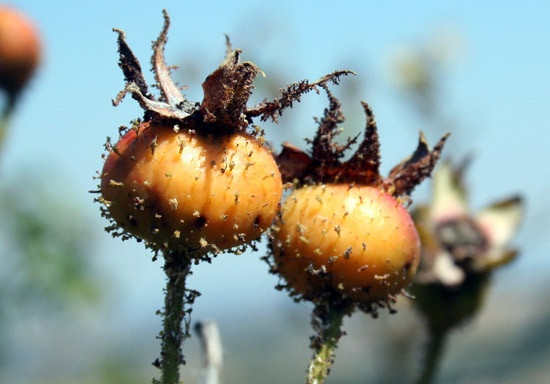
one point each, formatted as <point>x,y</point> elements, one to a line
<point>344,234</point>
<point>359,241</point>
<point>189,191</point>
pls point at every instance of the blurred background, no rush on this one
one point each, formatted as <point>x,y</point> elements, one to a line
<point>79,306</point>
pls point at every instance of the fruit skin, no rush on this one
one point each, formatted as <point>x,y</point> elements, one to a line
<point>20,49</point>
<point>357,240</point>
<point>179,190</point>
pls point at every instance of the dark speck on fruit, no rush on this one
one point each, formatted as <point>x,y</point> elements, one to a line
<point>201,221</point>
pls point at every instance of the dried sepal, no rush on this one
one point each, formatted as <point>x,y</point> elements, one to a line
<point>169,91</point>
<point>324,163</point>
<point>293,162</point>
<point>366,159</point>
<point>129,64</point>
<point>324,148</point>
<point>406,175</point>
<point>158,109</point>
<point>227,90</point>
<point>172,104</point>
<point>273,109</point>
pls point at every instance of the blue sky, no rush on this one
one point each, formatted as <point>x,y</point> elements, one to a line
<point>498,88</point>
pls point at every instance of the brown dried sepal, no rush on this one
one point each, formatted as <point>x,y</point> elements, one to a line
<point>273,109</point>
<point>226,90</point>
<point>412,170</point>
<point>172,103</point>
<point>324,165</point>
<point>293,163</point>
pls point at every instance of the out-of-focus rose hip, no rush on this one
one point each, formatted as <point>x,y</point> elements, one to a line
<point>20,49</point>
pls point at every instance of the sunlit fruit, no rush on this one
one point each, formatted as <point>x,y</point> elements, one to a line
<point>189,191</point>
<point>357,240</point>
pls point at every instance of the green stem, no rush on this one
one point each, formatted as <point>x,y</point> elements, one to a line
<point>176,317</point>
<point>327,321</point>
<point>5,118</point>
<point>434,354</point>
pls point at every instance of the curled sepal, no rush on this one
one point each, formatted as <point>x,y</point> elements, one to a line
<point>169,91</point>
<point>172,104</point>
<point>128,62</point>
<point>158,108</point>
<point>406,175</point>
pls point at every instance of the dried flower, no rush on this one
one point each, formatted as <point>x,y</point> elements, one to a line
<point>460,249</point>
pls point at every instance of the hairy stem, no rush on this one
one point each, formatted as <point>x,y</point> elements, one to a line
<point>176,317</point>
<point>327,321</point>
<point>432,358</point>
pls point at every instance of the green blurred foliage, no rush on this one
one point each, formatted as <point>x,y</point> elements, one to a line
<point>45,252</point>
